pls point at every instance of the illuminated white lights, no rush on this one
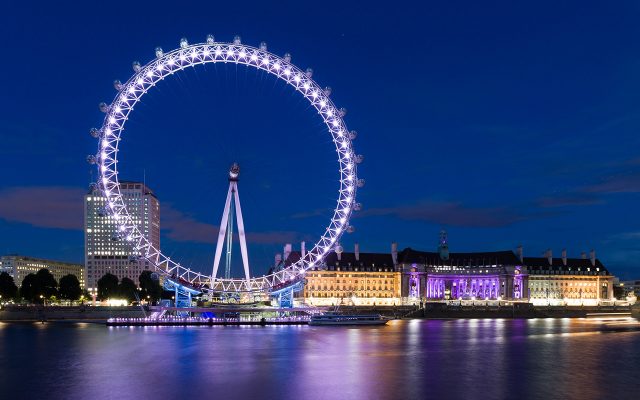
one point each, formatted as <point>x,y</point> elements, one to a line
<point>187,55</point>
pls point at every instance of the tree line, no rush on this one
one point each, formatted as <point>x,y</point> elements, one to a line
<point>42,286</point>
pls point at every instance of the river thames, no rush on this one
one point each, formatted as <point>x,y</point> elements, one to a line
<point>407,359</point>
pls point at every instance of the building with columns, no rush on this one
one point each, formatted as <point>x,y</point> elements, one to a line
<point>412,277</point>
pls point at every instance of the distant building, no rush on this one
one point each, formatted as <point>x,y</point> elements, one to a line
<point>568,281</point>
<point>631,287</point>
<point>105,252</point>
<point>20,266</point>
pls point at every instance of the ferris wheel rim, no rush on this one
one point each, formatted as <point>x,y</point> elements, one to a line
<point>166,64</point>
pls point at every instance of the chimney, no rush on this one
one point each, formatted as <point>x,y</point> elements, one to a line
<point>303,250</point>
<point>357,251</point>
<point>287,251</point>
<point>338,250</point>
<point>394,252</point>
<point>520,253</point>
<point>592,256</point>
<point>583,255</point>
<point>549,255</point>
<point>278,259</point>
<point>564,257</point>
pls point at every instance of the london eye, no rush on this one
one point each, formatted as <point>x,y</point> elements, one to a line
<point>164,65</point>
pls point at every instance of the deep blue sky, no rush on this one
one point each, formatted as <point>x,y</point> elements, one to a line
<point>504,122</point>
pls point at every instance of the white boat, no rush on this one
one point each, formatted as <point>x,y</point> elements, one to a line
<point>332,318</point>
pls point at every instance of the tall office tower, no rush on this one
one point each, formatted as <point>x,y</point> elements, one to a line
<point>104,251</point>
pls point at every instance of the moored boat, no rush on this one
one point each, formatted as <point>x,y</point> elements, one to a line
<point>332,318</point>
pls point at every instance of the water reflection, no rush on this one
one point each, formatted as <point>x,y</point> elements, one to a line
<point>405,360</point>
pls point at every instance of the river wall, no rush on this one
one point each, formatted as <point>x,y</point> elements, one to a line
<point>514,311</point>
<point>435,311</point>
<point>72,313</point>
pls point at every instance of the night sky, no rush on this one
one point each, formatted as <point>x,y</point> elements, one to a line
<point>504,123</point>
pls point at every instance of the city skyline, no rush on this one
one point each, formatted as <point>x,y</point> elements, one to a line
<point>501,144</point>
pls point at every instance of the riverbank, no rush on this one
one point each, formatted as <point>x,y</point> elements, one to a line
<point>64,313</point>
<point>430,311</point>
<point>437,311</point>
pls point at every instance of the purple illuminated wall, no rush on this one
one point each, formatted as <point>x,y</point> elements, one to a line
<point>517,285</point>
<point>414,285</point>
<point>474,286</point>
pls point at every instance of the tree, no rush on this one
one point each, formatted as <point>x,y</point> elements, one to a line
<point>48,284</point>
<point>70,287</point>
<point>150,287</point>
<point>39,284</point>
<point>8,288</point>
<point>30,289</point>
<point>127,289</point>
<point>107,286</point>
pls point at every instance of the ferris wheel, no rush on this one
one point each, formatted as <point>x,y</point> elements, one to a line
<point>190,55</point>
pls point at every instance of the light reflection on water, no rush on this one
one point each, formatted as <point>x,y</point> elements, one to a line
<point>476,358</point>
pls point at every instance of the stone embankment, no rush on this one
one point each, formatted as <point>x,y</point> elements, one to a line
<point>515,311</point>
<point>69,313</point>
